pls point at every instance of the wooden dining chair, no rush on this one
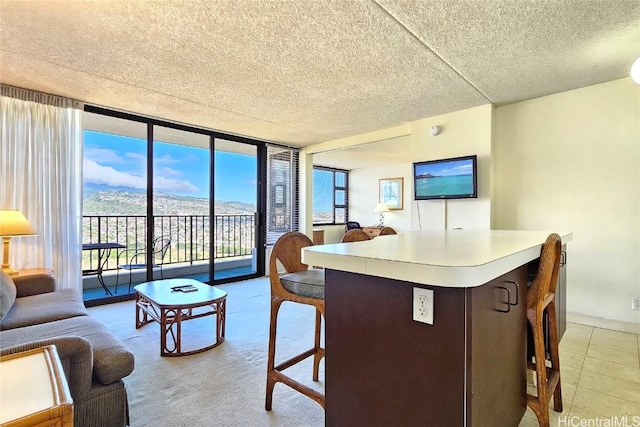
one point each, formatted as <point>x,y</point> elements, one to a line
<point>355,235</point>
<point>541,297</point>
<point>387,231</point>
<point>301,285</point>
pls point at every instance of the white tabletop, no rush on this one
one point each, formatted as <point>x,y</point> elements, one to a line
<point>452,258</point>
<point>25,387</point>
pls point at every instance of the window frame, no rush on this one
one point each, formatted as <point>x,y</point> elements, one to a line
<point>336,188</point>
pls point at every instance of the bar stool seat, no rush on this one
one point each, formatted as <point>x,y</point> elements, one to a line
<point>541,297</point>
<point>301,285</point>
<point>307,283</point>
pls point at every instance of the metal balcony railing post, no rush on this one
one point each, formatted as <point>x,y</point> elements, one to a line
<point>191,239</point>
<point>233,235</point>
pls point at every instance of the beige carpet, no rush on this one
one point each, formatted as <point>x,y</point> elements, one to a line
<point>224,386</point>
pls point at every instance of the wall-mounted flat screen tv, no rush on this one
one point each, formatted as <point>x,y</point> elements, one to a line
<point>454,178</point>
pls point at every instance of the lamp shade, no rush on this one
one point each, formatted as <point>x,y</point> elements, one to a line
<point>381,207</point>
<point>635,71</point>
<point>13,223</point>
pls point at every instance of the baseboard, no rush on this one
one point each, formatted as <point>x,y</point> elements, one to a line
<point>616,325</point>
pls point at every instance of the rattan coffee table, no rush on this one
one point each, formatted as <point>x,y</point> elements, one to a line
<point>158,301</point>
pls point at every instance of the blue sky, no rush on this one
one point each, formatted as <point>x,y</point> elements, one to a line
<point>120,161</point>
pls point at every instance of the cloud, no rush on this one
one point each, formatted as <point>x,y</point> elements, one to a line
<point>102,154</point>
<point>463,167</point>
<point>137,157</point>
<point>166,171</point>
<point>163,184</point>
<point>96,173</point>
<point>166,159</point>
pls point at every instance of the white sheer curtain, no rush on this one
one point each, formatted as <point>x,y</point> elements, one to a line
<point>41,175</point>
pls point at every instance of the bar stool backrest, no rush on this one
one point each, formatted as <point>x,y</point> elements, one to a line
<point>544,284</point>
<point>355,235</point>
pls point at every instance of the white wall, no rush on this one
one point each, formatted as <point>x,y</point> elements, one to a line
<point>363,195</point>
<point>463,133</point>
<point>568,162</point>
<point>571,161</point>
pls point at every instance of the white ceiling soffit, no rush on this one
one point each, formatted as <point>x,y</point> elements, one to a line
<point>387,152</point>
<point>301,72</point>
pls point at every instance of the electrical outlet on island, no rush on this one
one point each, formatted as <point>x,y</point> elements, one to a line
<point>423,305</point>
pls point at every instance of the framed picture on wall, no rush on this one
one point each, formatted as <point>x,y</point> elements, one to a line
<point>391,192</point>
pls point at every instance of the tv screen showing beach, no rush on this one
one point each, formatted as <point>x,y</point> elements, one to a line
<point>445,179</point>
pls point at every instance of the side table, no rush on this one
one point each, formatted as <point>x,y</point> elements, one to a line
<point>34,390</point>
<point>318,236</point>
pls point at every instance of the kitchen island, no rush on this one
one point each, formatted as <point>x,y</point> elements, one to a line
<point>465,369</point>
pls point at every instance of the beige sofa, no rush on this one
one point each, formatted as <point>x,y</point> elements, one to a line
<point>33,314</point>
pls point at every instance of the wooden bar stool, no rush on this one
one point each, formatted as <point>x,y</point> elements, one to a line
<point>302,285</point>
<point>355,235</point>
<point>386,231</point>
<point>541,297</point>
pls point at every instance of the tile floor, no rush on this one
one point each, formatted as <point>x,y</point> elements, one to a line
<point>600,371</point>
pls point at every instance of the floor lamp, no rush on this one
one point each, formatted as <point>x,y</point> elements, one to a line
<point>12,224</point>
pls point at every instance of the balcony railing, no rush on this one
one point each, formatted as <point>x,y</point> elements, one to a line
<point>234,235</point>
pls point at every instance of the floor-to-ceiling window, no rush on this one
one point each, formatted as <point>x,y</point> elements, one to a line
<point>181,188</point>
<point>114,202</point>
<point>164,200</point>
<point>235,209</point>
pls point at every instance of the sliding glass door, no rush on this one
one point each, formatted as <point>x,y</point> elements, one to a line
<point>169,201</point>
<point>235,219</point>
<point>114,205</point>
<point>181,187</point>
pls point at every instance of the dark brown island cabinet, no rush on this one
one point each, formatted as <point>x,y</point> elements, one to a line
<point>467,368</point>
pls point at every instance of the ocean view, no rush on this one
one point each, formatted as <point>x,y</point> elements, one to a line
<point>445,185</point>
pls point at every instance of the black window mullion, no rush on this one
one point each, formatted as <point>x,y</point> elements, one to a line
<point>332,193</point>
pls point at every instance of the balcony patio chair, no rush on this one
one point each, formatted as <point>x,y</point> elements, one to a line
<point>136,258</point>
<point>300,285</point>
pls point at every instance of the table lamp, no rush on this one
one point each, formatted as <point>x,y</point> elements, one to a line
<point>12,224</point>
<point>382,208</point>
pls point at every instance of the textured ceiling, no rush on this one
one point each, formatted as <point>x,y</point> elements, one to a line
<point>302,72</point>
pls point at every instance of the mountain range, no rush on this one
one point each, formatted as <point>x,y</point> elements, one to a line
<point>104,200</point>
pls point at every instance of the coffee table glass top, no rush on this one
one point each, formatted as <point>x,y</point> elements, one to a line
<point>161,292</point>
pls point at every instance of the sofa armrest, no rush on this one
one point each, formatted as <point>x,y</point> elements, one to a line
<point>34,284</point>
<point>76,357</point>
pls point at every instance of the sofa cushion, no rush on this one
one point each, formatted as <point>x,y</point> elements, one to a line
<point>306,283</point>
<point>7,294</point>
<point>34,284</point>
<point>44,308</point>
<point>111,359</point>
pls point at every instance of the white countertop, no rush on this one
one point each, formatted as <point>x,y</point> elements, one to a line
<point>25,387</point>
<point>452,258</point>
